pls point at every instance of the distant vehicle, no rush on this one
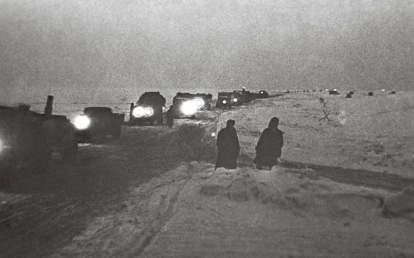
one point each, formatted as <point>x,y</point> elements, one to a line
<point>244,96</point>
<point>98,122</point>
<point>148,109</point>
<point>186,105</point>
<point>333,92</point>
<point>263,94</point>
<point>226,100</point>
<point>28,139</point>
<point>238,99</point>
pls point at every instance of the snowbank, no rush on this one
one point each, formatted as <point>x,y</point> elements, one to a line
<point>371,133</point>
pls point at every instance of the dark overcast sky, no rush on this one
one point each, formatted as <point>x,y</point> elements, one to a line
<point>83,46</point>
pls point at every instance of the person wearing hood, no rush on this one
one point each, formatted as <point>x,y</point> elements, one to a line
<point>228,147</point>
<point>269,146</point>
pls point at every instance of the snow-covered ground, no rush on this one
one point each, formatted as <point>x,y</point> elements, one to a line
<point>342,188</point>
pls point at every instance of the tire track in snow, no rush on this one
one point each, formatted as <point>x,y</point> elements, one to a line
<point>165,211</point>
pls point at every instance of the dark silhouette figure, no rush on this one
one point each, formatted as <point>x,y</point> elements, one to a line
<point>269,146</point>
<point>170,117</point>
<point>228,147</point>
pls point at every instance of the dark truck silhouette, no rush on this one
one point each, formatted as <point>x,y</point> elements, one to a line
<point>98,122</point>
<point>229,99</point>
<point>28,139</point>
<point>262,94</point>
<point>244,96</point>
<point>148,109</point>
<point>186,105</point>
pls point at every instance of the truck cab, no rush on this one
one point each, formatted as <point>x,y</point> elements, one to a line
<point>186,105</point>
<point>148,109</point>
<point>98,122</point>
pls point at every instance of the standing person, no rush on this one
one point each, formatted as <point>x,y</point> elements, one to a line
<point>269,146</point>
<point>170,116</point>
<point>228,147</point>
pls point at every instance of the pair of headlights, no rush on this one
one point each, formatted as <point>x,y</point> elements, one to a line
<point>190,107</point>
<point>141,111</point>
<point>234,101</point>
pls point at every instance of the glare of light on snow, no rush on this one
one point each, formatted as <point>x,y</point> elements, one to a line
<point>82,122</point>
<point>1,146</point>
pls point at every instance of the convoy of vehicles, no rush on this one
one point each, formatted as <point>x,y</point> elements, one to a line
<point>28,138</point>
<point>98,122</point>
<point>148,109</point>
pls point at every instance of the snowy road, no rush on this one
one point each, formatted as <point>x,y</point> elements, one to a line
<point>154,193</point>
<point>41,213</point>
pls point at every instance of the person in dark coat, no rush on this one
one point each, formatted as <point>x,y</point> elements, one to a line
<point>170,116</point>
<point>269,146</point>
<point>228,147</point>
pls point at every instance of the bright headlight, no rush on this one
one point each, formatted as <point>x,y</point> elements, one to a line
<point>149,111</point>
<point>199,102</point>
<point>138,112</point>
<point>235,100</point>
<point>82,122</point>
<point>224,101</point>
<point>189,108</point>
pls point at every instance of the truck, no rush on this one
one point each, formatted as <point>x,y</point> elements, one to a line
<point>28,139</point>
<point>148,109</point>
<point>245,96</point>
<point>227,100</point>
<point>186,105</point>
<point>262,94</point>
<point>98,123</point>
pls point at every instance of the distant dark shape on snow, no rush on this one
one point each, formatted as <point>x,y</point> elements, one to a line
<point>392,92</point>
<point>269,146</point>
<point>228,147</point>
<point>370,93</point>
<point>263,94</point>
<point>333,92</point>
